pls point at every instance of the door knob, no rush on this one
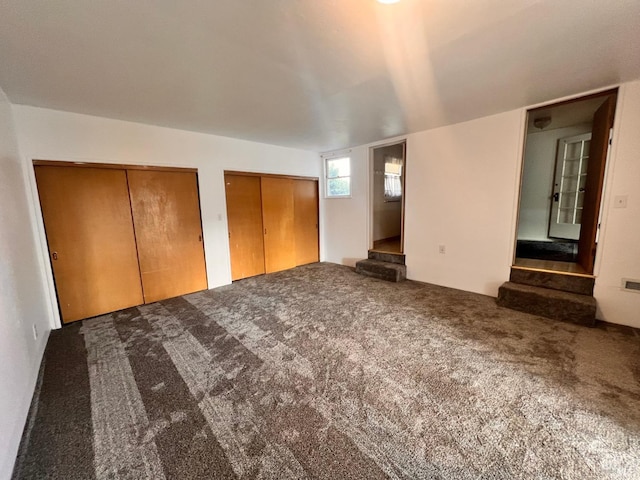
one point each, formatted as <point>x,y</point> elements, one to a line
<point>54,255</point>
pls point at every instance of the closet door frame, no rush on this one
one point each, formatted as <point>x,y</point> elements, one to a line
<point>274,175</point>
<point>114,166</point>
<point>38,219</point>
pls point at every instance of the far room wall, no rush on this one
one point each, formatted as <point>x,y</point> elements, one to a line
<point>462,192</point>
<point>537,180</point>
<point>24,312</point>
<point>54,135</point>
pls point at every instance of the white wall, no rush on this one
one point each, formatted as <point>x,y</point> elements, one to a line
<point>462,192</point>
<point>346,220</point>
<point>459,191</point>
<point>387,216</point>
<point>22,297</point>
<point>53,135</point>
<point>618,254</point>
<point>537,180</point>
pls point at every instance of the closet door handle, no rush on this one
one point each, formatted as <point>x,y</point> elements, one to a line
<point>54,255</point>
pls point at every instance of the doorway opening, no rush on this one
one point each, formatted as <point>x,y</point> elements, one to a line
<point>388,183</point>
<point>563,173</point>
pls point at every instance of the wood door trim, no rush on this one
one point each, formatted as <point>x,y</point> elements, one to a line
<point>594,186</point>
<point>404,194</point>
<point>604,93</point>
<point>111,166</point>
<point>271,175</point>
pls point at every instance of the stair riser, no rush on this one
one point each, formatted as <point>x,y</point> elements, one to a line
<point>539,304</point>
<point>389,272</point>
<point>396,258</point>
<point>389,277</point>
<point>554,281</point>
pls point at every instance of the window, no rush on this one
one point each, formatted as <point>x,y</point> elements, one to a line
<point>392,179</point>
<point>338,177</point>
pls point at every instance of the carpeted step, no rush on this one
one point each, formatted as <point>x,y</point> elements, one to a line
<point>387,257</point>
<point>391,272</point>
<point>580,284</point>
<point>555,304</point>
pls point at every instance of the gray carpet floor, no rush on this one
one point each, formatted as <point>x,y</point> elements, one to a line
<point>317,372</point>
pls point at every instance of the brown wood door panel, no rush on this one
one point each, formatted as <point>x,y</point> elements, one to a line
<point>166,215</point>
<point>278,223</point>
<point>602,124</point>
<point>305,200</point>
<point>91,240</point>
<point>244,217</point>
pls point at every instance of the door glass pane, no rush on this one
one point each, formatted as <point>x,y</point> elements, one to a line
<point>574,175</point>
<point>570,185</point>
<point>565,216</point>
<point>571,168</point>
<point>583,166</point>
<point>573,151</point>
<point>583,180</point>
<point>567,200</point>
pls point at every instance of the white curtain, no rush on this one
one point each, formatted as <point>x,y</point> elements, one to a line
<point>392,178</point>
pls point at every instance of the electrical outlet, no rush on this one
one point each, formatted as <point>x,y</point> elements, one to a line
<point>35,331</point>
<point>442,249</point>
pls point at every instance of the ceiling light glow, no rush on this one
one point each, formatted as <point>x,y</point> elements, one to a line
<point>388,2</point>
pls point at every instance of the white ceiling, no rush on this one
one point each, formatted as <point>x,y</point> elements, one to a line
<point>312,74</point>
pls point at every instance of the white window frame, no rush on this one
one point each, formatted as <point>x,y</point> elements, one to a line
<point>327,178</point>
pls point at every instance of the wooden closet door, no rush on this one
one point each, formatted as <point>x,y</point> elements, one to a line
<point>305,206</point>
<point>166,215</point>
<point>278,223</point>
<point>89,230</point>
<point>244,217</point>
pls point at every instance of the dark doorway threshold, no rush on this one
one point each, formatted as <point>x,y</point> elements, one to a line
<point>558,251</point>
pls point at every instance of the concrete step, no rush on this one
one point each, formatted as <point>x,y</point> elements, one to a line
<point>581,284</point>
<point>391,272</point>
<point>387,257</point>
<point>555,304</point>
